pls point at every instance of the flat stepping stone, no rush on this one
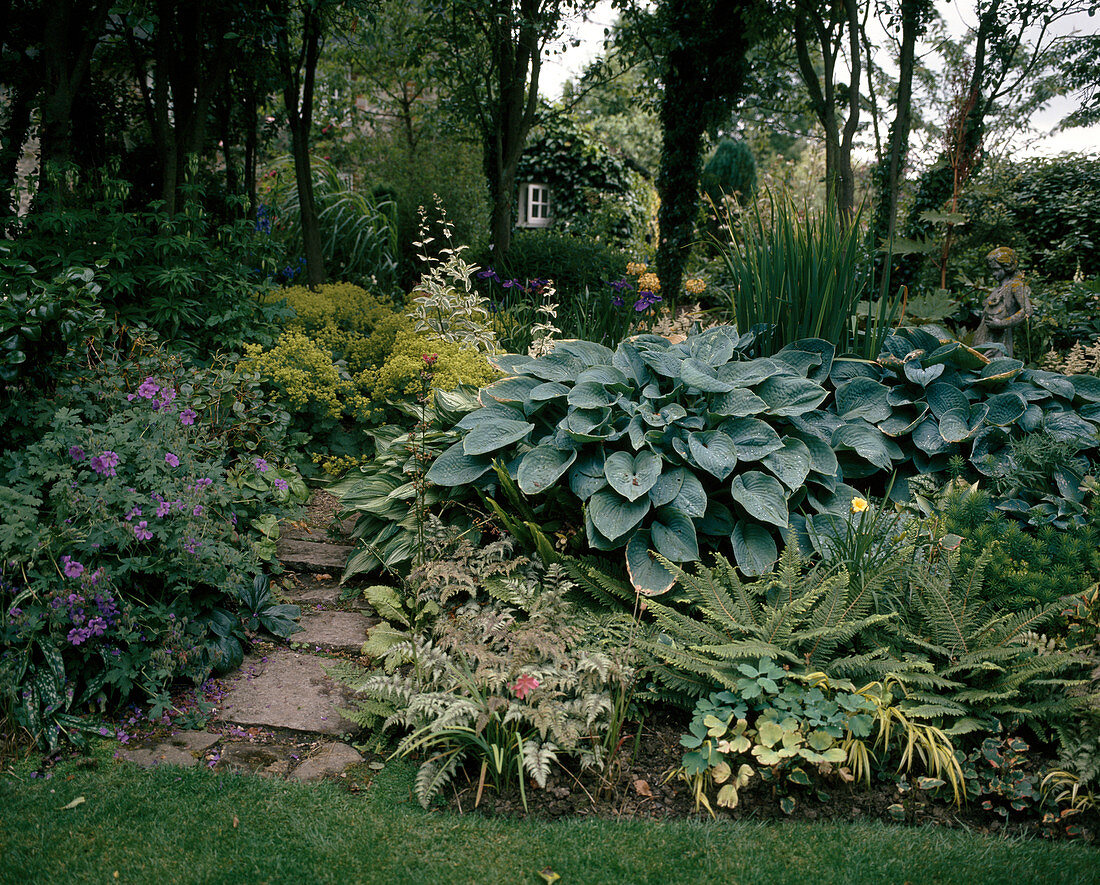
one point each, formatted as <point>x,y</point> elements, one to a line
<point>185,749</point>
<point>335,631</point>
<point>331,759</point>
<point>319,557</point>
<point>288,690</point>
<point>266,760</point>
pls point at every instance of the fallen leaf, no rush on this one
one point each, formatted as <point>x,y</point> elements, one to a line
<point>79,800</point>
<point>322,577</point>
<point>549,876</point>
<point>641,787</point>
<point>236,821</point>
<point>846,774</point>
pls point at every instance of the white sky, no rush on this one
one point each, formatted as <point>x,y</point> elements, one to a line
<point>959,15</point>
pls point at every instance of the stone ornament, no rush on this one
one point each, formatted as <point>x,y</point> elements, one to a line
<point>1007,305</point>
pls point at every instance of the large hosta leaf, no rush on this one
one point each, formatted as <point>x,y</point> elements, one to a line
<point>590,395</point>
<point>961,425</point>
<point>927,438</point>
<point>586,476</point>
<point>1069,427</point>
<point>738,403</point>
<point>692,498</point>
<point>868,442</point>
<point>1005,409</point>
<point>455,468</point>
<point>1087,387</point>
<point>714,452</point>
<point>667,487</point>
<point>863,398</point>
<point>647,574</point>
<point>542,467</point>
<point>762,496</point>
<point>754,548</point>
<point>753,438</point>
<point>674,536</point>
<point>918,374</point>
<point>790,394</point>
<point>613,515</point>
<point>697,374</point>
<point>493,434</point>
<point>632,476</point>
<point>943,397</point>
<point>791,464</point>
<point>509,390</point>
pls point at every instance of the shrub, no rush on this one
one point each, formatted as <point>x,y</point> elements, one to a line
<point>730,172</point>
<point>133,535</point>
<point>573,263</point>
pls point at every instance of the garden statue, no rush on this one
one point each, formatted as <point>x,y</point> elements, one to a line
<point>1007,305</point>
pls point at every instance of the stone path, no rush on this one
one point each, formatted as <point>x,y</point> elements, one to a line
<point>280,716</point>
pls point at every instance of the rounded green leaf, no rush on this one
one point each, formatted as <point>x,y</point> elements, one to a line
<point>590,395</point>
<point>1087,387</point>
<point>928,439</point>
<point>542,467</point>
<point>674,536</point>
<point>509,390</point>
<point>455,468</point>
<point>547,391</point>
<point>753,438</point>
<point>943,397</point>
<point>738,403</point>
<point>918,374</point>
<point>790,394</point>
<point>692,498</point>
<point>961,425</point>
<point>1005,409</point>
<point>863,398</point>
<point>586,475</point>
<point>754,548</point>
<point>713,451</point>
<point>632,476</point>
<point>718,521</point>
<point>667,487</point>
<point>762,496</point>
<point>493,434</point>
<point>647,574</point>
<point>614,516</point>
<point>791,464</point>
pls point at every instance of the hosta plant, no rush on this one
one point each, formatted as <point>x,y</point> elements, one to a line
<point>668,447</point>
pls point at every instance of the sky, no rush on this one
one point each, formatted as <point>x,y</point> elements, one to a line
<point>589,34</point>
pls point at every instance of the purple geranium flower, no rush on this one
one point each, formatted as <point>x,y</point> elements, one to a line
<point>488,274</point>
<point>105,463</point>
<point>171,460</point>
<point>76,453</point>
<point>281,484</point>
<point>197,511</point>
<point>188,416</point>
<point>141,531</point>
<point>164,508</point>
<point>149,388</point>
<point>71,567</point>
<point>261,465</point>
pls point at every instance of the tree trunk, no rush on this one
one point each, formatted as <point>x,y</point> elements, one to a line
<point>12,138</point>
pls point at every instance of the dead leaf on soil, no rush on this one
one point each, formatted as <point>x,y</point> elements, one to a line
<point>79,800</point>
<point>642,788</point>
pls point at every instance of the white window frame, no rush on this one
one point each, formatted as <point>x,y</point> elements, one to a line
<point>535,205</point>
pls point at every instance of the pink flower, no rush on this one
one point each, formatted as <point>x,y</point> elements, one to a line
<point>171,460</point>
<point>524,684</point>
<point>141,531</point>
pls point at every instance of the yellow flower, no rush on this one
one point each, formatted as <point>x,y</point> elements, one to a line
<point>648,282</point>
<point>694,287</point>
<point>859,505</point>
<point>635,268</point>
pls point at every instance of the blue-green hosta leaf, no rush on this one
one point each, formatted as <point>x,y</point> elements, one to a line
<point>662,362</point>
<point>754,438</point>
<point>673,535</point>
<point>629,361</point>
<point>509,390</point>
<point>822,457</point>
<point>1005,409</point>
<point>738,403</point>
<point>548,390</point>
<point>635,430</point>
<point>955,353</point>
<point>962,425</point>
<point>1031,418</point>
<point>863,398</point>
<point>586,475</point>
<point>455,468</point>
<point>762,496</point>
<point>1057,384</point>
<point>542,467</point>
<point>847,368</point>
<point>1002,368</point>
<point>493,434</point>
<point>714,347</point>
<point>589,353</point>
<point>754,548</point>
<point>608,376</point>
<point>790,394</point>
<point>903,421</point>
<point>556,367</point>
<point>692,498</point>
<point>588,425</point>
<point>824,349</point>
<point>791,464</point>
<point>927,438</point>
<point>718,520</point>
<point>801,362</point>
<point>868,442</point>
<point>497,411</point>
<point>590,395</point>
<point>750,372</point>
<point>613,515</point>
<point>667,487</point>
<point>918,374</point>
<point>647,574</point>
<point>698,375</point>
<point>672,412</point>
<point>510,363</point>
<point>596,539</point>
<point>943,397</point>
<point>987,452</point>
<point>1086,387</point>
<point>632,476</point>
<point>1069,427</point>
<point>713,451</point>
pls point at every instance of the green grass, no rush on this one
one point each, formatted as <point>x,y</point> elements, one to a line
<point>170,825</point>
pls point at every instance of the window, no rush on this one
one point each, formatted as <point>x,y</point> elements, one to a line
<point>534,206</point>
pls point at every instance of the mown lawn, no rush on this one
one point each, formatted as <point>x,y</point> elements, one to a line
<point>171,825</point>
